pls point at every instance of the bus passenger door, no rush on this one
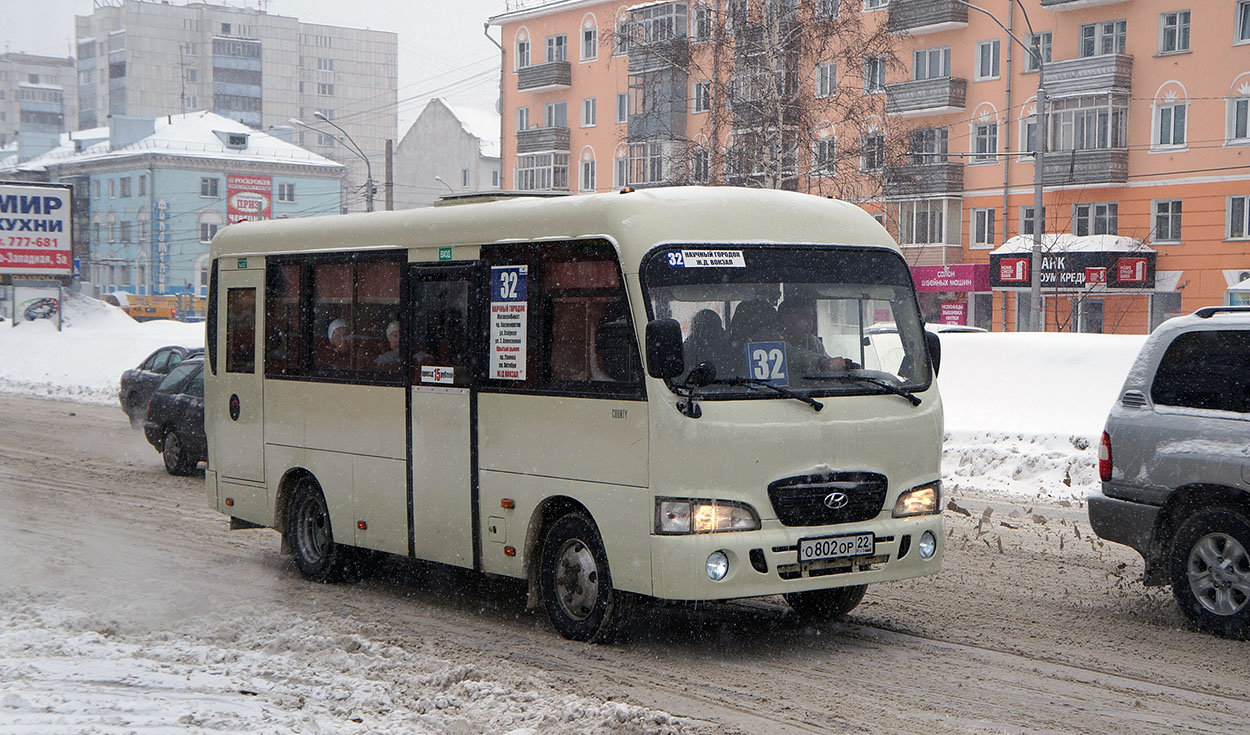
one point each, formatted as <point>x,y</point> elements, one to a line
<point>441,334</point>
<point>238,414</point>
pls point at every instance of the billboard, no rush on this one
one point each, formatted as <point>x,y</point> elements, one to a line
<point>1074,271</point>
<point>248,198</point>
<point>951,278</point>
<point>35,235</point>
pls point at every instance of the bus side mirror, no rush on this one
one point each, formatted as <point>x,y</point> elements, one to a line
<point>664,351</point>
<point>934,345</point>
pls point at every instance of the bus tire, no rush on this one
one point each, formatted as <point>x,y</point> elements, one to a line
<point>313,548</point>
<point>825,605</point>
<point>576,583</point>
<point>178,461</point>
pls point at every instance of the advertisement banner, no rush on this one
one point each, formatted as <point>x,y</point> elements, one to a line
<point>35,236</point>
<point>248,198</point>
<point>951,278</point>
<point>1110,269</point>
<point>955,312</point>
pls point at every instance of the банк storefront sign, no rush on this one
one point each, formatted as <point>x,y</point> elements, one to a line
<point>1076,271</point>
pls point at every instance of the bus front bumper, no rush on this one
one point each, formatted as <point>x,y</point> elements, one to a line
<point>766,562</point>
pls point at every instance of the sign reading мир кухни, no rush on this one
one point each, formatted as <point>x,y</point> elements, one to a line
<point>35,236</point>
<point>248,198</point>
<point>508,321</point>
<point>1110,268</point>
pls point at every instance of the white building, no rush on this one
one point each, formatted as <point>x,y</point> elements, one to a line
<point>448,150</point>
<point>38,98</point>
<point>142,58</point>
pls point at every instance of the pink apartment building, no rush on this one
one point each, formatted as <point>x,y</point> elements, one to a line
<point>1146,173</point>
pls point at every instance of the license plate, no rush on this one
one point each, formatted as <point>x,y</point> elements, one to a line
<point>837,547</point>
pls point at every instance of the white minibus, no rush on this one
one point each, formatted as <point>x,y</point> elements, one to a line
<point>686,394</point>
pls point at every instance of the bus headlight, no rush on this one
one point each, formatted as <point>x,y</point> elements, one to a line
<point>682,515</point>
<point>927,545</point>
<point>717,566</point>
<point>923,500</point>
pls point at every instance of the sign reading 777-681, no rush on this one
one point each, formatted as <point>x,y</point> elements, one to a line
<point>35,235</point>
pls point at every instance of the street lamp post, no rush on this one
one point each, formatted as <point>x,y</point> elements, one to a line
<point>1039,164</point>
<point>354,148</point>
<point>439,179</point>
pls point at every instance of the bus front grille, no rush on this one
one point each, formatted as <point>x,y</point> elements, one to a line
<point>831,566</point>
<point>828,499</point>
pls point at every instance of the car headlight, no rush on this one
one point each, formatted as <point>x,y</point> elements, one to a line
<point>923,500</point>
<point>687,515</point>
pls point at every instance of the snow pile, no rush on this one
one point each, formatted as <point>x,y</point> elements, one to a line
<point>85,361</point>
<point>273,673</point>
<point>1024,411</point>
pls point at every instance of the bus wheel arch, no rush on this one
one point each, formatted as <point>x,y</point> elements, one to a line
<point>282,504</point>
<point>547,513</point>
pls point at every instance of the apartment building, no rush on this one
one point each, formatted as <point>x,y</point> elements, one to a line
<point>146,58</point>
<point>38,100</point>
<point>1146,181</point>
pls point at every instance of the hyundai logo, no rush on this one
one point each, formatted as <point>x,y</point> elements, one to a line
<point>833,501</point>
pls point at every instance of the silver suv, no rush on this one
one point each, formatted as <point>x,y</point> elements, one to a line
<point>1175,466</point>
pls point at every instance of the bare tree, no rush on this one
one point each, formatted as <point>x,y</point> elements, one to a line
<point>765,93</point>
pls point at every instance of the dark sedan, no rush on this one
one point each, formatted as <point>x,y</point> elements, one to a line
<point>175,418</point>
<point>139,382</point>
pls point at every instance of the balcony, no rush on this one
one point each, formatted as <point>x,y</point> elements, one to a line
<point>545,77</point>
<point>673,53</point>
<point>1076,4</point>
<point>928,178</point>
<point>1098,166</point>
<point>926,96</point>
<point>926,16</point>
<point>1089,75</point>
<point>540,140</point>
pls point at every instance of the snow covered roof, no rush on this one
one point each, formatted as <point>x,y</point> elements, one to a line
<point>480,124</point>
<point>1243,286</point>
<point>200,134</point>
<point>1066,242</point>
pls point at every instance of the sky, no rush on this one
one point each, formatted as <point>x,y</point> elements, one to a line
<point>442,51</point>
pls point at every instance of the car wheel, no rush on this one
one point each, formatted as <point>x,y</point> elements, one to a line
<point>576,584</point>
<point>311,537</point>
<point>178,461</point>
<point>823,605</point>
<point>1210,567</point>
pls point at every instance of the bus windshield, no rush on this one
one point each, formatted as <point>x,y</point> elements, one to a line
<point>821,320</point>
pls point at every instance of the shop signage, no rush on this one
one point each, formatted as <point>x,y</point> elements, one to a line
<point>248,198</point>
<point>1076,271</point>
<point>954,312</point>
<point>951,278</point>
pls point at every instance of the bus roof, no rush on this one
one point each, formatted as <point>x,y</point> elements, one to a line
<point>636,220</point>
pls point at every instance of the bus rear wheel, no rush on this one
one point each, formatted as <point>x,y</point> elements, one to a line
<point>576,584</point>
<point>311,537</point>
<point>823,605</point>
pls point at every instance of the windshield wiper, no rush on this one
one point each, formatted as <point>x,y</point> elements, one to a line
<point>890,387</point>
<point>751,382</point>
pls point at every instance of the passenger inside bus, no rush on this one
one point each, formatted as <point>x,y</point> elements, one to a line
<point>707,341</point>
<point>337,352</point>
<point>390,358</point>
<point>613,341</point>
<point>804,346</point>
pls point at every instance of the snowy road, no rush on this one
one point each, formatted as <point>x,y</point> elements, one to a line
<point>128,607</point>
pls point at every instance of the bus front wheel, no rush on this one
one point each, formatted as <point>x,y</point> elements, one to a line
<point>576,584</point>
<point>822,605</point>
<point>317,556</point>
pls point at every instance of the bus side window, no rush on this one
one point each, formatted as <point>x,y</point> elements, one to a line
<point>241,330</point>
<point>284,338</point>
<point>332,316</point>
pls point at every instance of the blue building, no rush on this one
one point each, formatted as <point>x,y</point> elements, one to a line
<point>150,193</point>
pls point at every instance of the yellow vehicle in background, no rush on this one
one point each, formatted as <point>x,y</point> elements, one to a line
<point>179,307</point>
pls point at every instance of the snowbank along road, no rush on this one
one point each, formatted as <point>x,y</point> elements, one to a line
<point>128,607</point>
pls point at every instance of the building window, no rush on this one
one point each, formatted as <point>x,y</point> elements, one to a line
<point>875,4</point>
<point>208,187</point>
<point>1163,306</point>
<point>125,231</point>
<point>587,182</point>
<point>701,97</point>
<point>646,162</point>
<point>207,231</point>
<point>1097,218</point>
<point>557,48</point>
<point>927,146</point>
<point>1026,219</point>
<point>557,115</point>
<point>464,177</point>
<point>700,166</point>
<point>985,142</point>
<point>871,152</point>
<point>325,140</point>
<point>929,222</point>
<point>1040,43</point>
<point>622,107</point>
<point>620,38</point>
<point>542,172</point>
<point>620,169</point>
<point>1088,123</point>
<point>1171,125</point>
<point>522,118</point>
<point>983,228</point>
<point>324,64</point>
<point>325,90</point>
<point>588,112</point>
<point>826,80</point>
<point>494,179</point>
<point>1108,37</point>
<point>590,44</point>
<point>987,59</point>
<point>143,185</point>
<point>931,63</point>
<point>286,192</point>
<point>874,74</point>
<point>522,54</point>
<point>1243,21</point>
<point>825,156</point>
<point>1239,120</point>
<point>1167,224</point>
<point>701,24</point>
<point>112,189</point>
<point>125,187</point>
<point>1238,218</point>
<point>1174,32</point>
<point>828,9</point>
<point>1028,135</point>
